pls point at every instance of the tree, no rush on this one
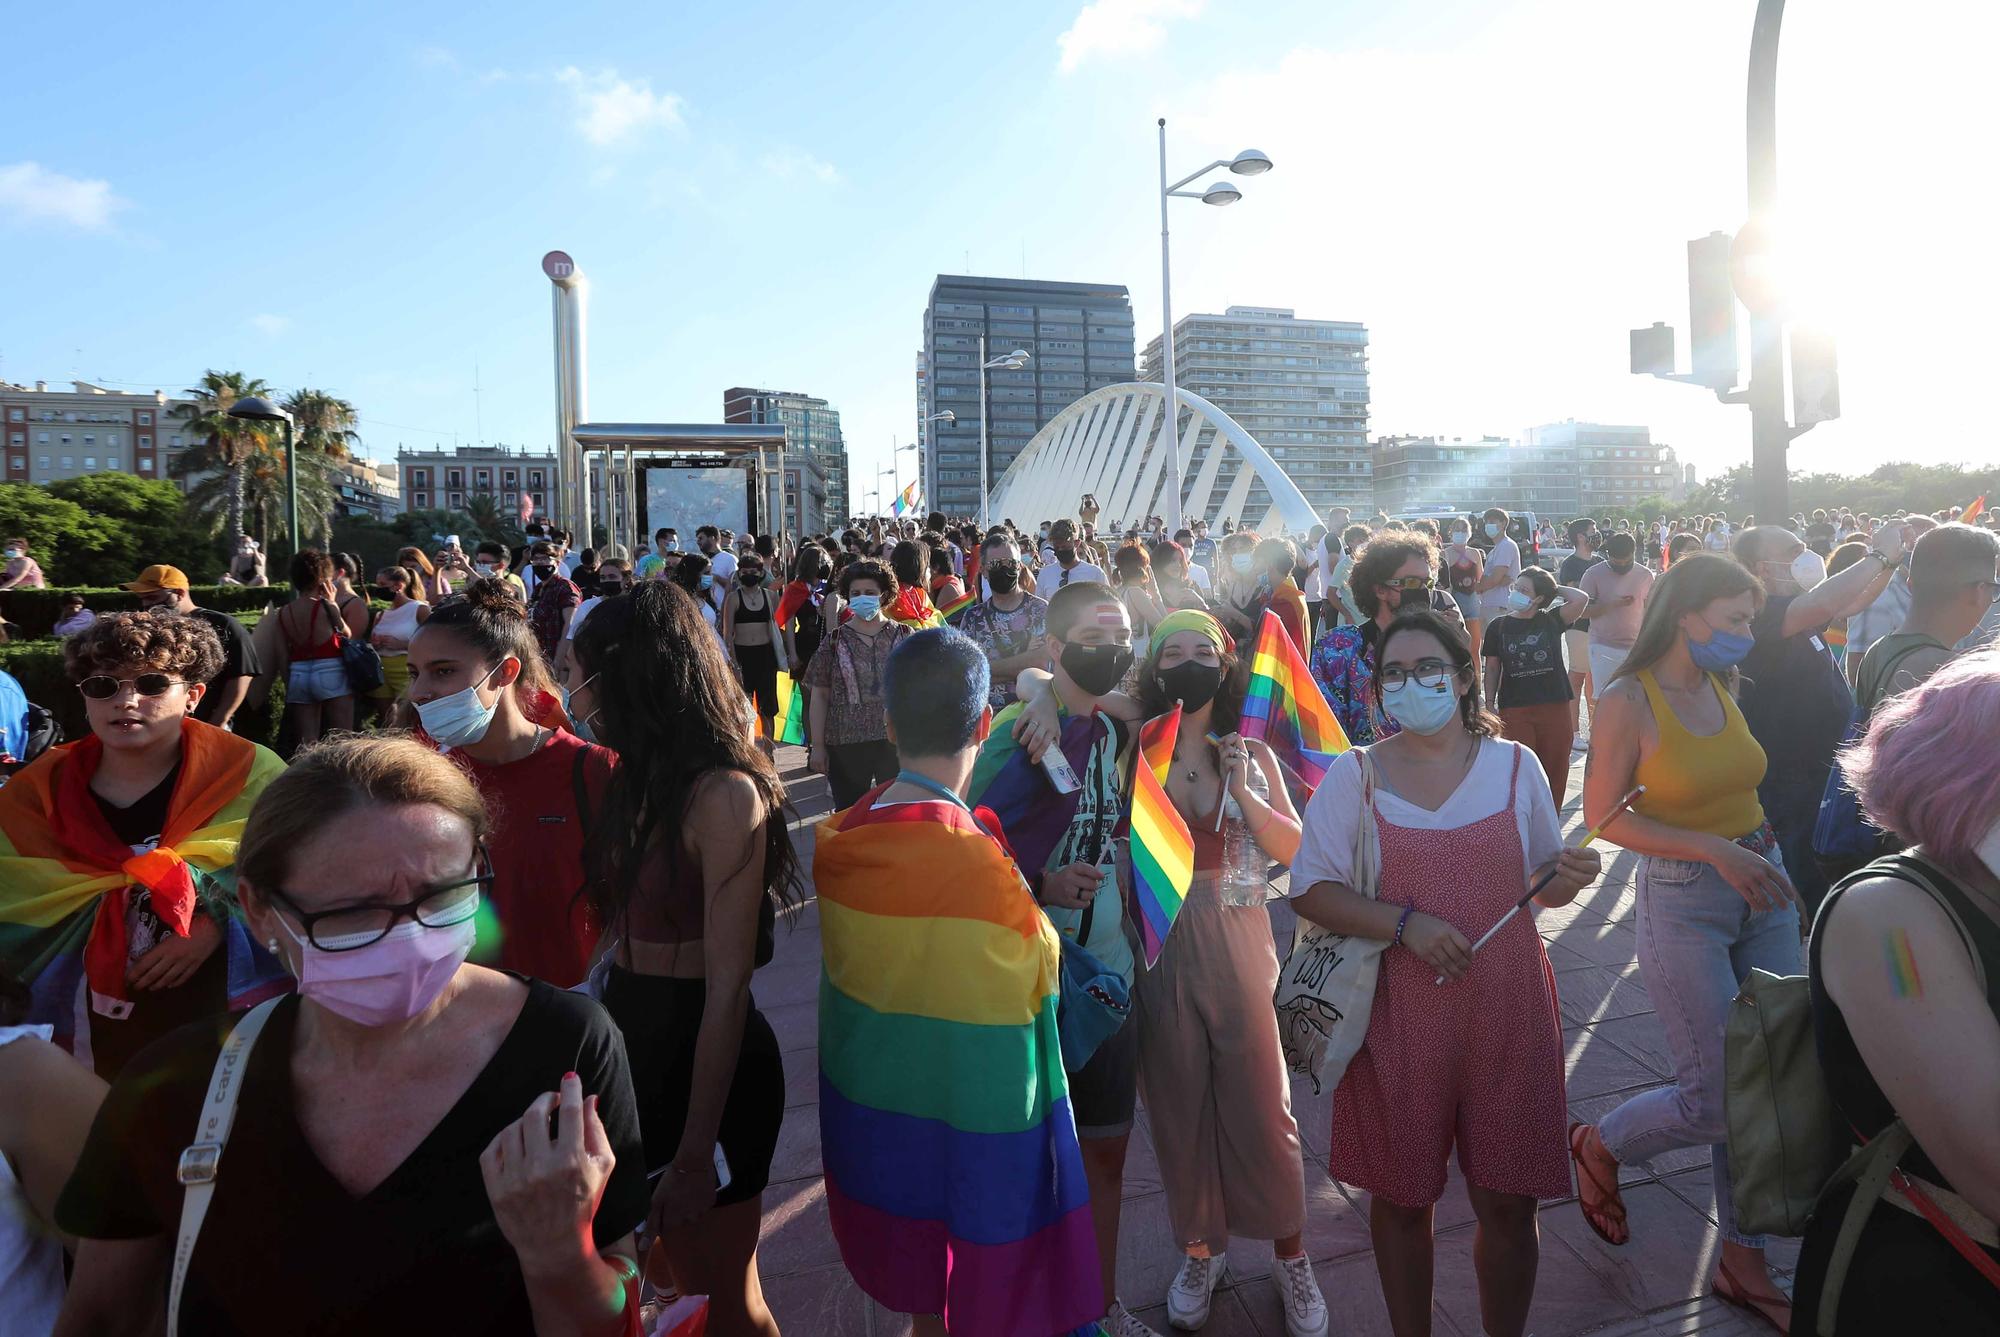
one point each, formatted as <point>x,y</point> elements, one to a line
<point>154,524</point>
<point>61,534</point>
<point>484,508</point>
<point>227,443</point>
<point>325,426</point>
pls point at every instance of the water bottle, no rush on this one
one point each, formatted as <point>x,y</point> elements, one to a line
<point>1246,871</point>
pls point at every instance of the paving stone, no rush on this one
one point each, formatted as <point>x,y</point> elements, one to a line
<point>1598,1067</point>
<point>1698,1190</point>
<point>1600,942</point>
<point>797,1236</point>
<point>797,1153</point>
<point>1226,1317</point>
<point>1599,994</point>
<point>1668,1259</point>
<point>1569,1297</point>
<point>1641,1036</point>
<point>801,1081</point>
<point>795,1024</point>
<point>824,1302</point>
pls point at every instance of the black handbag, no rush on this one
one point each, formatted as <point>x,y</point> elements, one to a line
<point>360,658</point>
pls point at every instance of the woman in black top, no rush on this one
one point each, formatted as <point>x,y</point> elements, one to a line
<point>381,1175</point>
<point>1903,1026</point>
<point>1526,678</point>
<point>750,635</point>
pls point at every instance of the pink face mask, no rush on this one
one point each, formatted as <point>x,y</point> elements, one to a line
<point>387,981</point>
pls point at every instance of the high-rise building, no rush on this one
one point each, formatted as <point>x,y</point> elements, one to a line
<point>56,434</point>
<point>1616,467</point>
<point>1078,337</point>
<point>367,488</point>
<point>815,466</point>
<point>1558,471</point>
<point>1300,387</point>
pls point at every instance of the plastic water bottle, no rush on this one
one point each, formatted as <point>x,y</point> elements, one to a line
<point>1246,870</point>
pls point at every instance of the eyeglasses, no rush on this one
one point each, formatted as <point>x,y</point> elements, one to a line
<point>1428,673</point>
<point>102,686</point>
<point>1409,583</point>
<point>353,927</point>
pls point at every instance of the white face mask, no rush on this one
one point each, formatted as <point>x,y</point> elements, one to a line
<point>1809,569</point>
<point>1461,535</point>
<point>484,568</point>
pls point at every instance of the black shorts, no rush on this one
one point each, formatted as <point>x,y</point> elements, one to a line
<point>661,1017</point>
<point>757,665</point>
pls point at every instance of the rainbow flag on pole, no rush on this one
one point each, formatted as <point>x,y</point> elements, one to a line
<point>1162,848</point>
<point>906,500</point>
<point>791,719</point>
<point>1972,512</point>
<point>1286,709</point>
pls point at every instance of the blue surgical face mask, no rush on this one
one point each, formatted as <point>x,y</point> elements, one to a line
<point>1420,709</point>
<point>1240,561</point>
<point>1518,601</point>
<point>579,724</point>
<point>1721,652</point>
<point>867,607</point>
<point>707,581</point>
<point>460,719</point>
<point>1493,531</point>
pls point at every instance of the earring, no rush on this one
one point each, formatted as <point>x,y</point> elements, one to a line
<point>271,945</point>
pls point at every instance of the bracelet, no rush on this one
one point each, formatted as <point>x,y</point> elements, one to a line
<point>1407,910</point>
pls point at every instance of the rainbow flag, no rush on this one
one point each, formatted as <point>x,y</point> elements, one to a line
<point>791,719</point>
<point>1162,848</point>
<point>906,500</point>
<point>1973,512</point>
<point>1284,696</point>
<point>951,610</point>
<point>954,1182</point>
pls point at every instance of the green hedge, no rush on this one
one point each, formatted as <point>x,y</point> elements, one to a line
<point>38,666</point>
<point>35,612</point>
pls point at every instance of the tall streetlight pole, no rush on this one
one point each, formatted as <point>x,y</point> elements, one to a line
<point>1013,361</point>
<point>1250,162</point>
<point>256,408</point>
<point>1770,435</point>
<point>946,417</point>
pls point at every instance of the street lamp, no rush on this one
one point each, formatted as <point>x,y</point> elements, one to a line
<point>256,408</point>
<point>1250,162</point>
<point>896,456</point>
<point>1013,361</point>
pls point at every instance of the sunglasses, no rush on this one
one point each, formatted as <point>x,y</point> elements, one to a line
<point>1409,583</point>
<point>102,686</point>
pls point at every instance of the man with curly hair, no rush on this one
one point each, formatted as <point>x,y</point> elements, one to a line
<point>117,851</point>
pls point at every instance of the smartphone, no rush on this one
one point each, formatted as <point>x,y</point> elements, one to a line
<point>721,1170</point>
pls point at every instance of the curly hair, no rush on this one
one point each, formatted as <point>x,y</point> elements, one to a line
<point>168,642</point>
<point>1378,561</point>
<point>869,569</point>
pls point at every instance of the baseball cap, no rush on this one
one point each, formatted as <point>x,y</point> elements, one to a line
<point>156,578</point>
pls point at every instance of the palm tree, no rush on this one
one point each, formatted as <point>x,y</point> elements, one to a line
<point>324,425</point>
<point>484,508</point>
<point>227,443</point>
<point>265,491</point>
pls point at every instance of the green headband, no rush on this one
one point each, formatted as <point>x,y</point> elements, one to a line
<point>1190,619</point>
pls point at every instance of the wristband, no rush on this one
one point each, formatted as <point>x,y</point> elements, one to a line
<point>1407,910</point>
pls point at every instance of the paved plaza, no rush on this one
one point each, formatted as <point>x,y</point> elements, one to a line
<point>1656,1284</point>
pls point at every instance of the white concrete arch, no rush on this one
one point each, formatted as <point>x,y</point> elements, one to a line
<point>1109,443</point>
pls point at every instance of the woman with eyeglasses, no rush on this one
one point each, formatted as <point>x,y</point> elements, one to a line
<point>1392,572</point>
<point>418,1144</point>
<point>484,698</point>
<point>694,860</point>
<point>116,850</point>
<point>1465,824</point>
<point>1714,898</point>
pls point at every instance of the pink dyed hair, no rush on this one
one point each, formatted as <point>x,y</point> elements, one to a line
<point>1925,768</point>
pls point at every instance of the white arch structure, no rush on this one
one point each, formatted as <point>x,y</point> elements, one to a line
<point>1110,443</point>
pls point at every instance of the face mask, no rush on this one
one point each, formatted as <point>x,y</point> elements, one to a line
<point>1461,536</point>
<point>387,981</point>
<point>13,553</point>
<point>484,568</point>
<point>1493,531</point>
<point>1808,568</point>
<point>867,607</point>
<point>1413,598</point>
<point>1240,563</point>
<point>1002,577</point>
<point>1096,668</point>
<point>752,578</point>
<point>1065,554</point>
<point>1722,651</point>
<point>610,589</point>
<point>1420,709</point>
<point>459,719</point>
<point>1193,684</point>
<point>706,582</point>
<point>673,545</point>
<point>1518,601</point>
<point>579,724</point>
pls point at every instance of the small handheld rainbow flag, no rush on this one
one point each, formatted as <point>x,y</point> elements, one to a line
<point>1283,694</point>
<point>1162,848</point>
<point>906,500</point>
<point>1972,512</point>
<point>791,720</point>
<point>950,611</point>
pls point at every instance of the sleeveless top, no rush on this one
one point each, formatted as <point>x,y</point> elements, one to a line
<point>745,613</point>
<point>1464,575</point>
<point>675,912</point>
<point>1701,784</point>
<point>308,650</point>
<point>399,622</point>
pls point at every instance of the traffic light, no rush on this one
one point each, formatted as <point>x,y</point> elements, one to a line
<point>1712,313</point>
<point>1653,350</point>
<point>1815,378</point>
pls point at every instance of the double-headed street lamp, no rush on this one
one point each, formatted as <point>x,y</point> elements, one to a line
<point>1013,361</point>
<point>256,408</point>
<point>945,417</point>
<point>1250,162</point>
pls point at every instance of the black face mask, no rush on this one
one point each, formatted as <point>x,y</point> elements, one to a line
<point>1097,669</point>
<point>1065,554</point>
<point>610,589</point>
<point>1003,576</point>
<point>1193,684</point>
<point>1414,599</point>
<point>752,578</point>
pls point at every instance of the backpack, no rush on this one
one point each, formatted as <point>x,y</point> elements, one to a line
<point>1789,1148</point>
<point>1843,838</point>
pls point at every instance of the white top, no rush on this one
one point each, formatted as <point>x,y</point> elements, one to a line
<point>31,1257</point>
<point>1198,577</point>
<point>1505,553</point>
<point>400,622</point>
<point>582,612</point>
<point>1315,586</point>
<point>1050,578</point>
<point>1326,851</point>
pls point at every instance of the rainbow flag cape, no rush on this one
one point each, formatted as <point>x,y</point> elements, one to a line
<point>954,1183</point>
<point>1973,512</point>
<point>1162,848</point>
<point>791,721</point>
<point>1286,709</point>
<point>51,894</point>
<point>951,610</point>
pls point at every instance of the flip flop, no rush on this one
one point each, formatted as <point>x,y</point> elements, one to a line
<point>1736,1296</point>
<point>1610,1212</point>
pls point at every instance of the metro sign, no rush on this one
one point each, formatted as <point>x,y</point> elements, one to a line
<point>558,266</point>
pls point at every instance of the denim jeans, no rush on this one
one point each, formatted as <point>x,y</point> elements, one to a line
<point>1697,940</point>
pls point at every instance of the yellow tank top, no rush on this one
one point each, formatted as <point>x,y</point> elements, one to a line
<point>1701,784</point>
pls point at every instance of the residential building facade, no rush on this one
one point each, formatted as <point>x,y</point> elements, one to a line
<point>815,464</point>
<point>1617,467</point>
<point>367,488</point>
<point>1300,387</point>
<point>1558,471</point>
<point>1078,337</point>
<point>52,434</point>
<point>448,479</point>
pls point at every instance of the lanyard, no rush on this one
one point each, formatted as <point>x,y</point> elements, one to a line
<point>925,782</point>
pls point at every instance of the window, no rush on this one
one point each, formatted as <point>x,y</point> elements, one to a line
<point>41,462</point>
<point>89,462</point>
<point>20,439</point>
<point>145,443</point>
<point>454,478</point>
<point>15,415</point>
<point>89,440</point>
<point>69,461</point>
<point>65,438</point>
<point>174,441</point>
<point>146,465</point>
<point>145,420</point>
<point>20,463</point>
<point>111,461</point>
<point>510,477</point>
<point>42,438</point>
<point>420,477</point>
<point>457,500</point>
<point>111,438</point>
<point>422,500</point>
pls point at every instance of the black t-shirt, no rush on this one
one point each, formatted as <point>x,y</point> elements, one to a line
<point>239,660</point>
<point>287,1250</point>
<point>1570,573</point>
<point>1795,700</point>
<point>140,824</point>
<point>1530,651</point>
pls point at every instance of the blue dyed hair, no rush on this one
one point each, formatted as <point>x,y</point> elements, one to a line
<point>936,687</point>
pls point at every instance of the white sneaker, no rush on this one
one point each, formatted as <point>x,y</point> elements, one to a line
<point>1193,1291</point>
<point>1120,1323</point>
<point>1298,1291</point>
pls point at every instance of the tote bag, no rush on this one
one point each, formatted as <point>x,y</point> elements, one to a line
<point>1326,986</point>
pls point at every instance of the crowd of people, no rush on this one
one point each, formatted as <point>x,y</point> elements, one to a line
<point>447,1018</point>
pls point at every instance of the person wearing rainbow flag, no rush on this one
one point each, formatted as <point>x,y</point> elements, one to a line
<point>954,1182</point>
<point>118,851</point>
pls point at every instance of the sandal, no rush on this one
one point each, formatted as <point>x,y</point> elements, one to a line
<point>1729,1290</point>
<point>1609,1212</point>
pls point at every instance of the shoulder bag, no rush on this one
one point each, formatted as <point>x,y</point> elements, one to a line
<point>361,660</point>
<point>1326,986</point>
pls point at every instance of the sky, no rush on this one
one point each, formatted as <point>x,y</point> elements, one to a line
<point>357,198</point>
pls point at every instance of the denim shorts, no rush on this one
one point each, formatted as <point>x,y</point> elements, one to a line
<point>311,681</point>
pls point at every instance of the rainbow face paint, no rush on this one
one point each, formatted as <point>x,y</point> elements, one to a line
<point>1904,981</point>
